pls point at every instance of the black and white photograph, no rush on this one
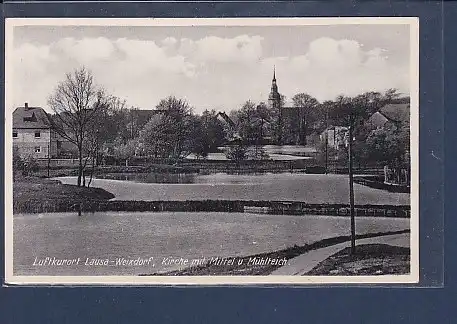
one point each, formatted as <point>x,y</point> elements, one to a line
<point>211,151</point>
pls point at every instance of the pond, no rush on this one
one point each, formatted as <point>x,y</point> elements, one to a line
<point>272,156</point>
<point>274,152</point>
<point>115,235</point>
<point>310,188</point>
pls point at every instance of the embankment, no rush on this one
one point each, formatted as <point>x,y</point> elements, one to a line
<point>42,195</point>
<point>377,182</point>
<point>57,168</point>
<point>266,207</point>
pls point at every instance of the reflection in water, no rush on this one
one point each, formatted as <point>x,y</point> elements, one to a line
<point>181,178</point>
<point>191,178</point>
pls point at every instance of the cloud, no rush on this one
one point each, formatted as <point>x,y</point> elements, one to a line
<point>330,67</point>
<point>86,50</point>
<point>210,72</point>
<point>31,58</point>
<point>169,41</point>
<point>242,48</point>
<point>147,56</point>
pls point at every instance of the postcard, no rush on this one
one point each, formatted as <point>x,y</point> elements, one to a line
<point>251,151</point>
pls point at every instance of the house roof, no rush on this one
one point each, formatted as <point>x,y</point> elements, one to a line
<point>378,119</point>
<point>396,112</point>
<point>30,117</point>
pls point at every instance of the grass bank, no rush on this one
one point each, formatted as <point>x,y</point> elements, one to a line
<point>92,200</point>
<point>251,265</point>
<point>368,260</point>
<point>29,191</point>
<point>377,182</point>
<point>65,171</point>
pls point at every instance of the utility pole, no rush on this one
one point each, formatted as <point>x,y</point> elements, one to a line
<point>49,151</point>
<point>280,127</point>
<point>351,185</point>
<point>326,140</point>
<point>131,123</point>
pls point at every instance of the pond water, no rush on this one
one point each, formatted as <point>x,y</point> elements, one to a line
<point>114,235</point>
<point>273,156</point>
<point>310,188</point>
<point>290,149</point>
<point>274,152</point>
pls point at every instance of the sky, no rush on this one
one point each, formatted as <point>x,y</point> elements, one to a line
<point>212,67</point>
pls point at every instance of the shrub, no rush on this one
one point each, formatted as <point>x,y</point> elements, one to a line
<point>18,163</point>
<point>30,166</point>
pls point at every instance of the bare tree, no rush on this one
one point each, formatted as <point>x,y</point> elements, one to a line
<point>76,101</point>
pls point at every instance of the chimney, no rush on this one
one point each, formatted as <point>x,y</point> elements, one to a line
<point>26,105</point>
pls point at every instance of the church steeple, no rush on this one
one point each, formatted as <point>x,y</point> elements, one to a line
<point>274,102</point>
<point>274,97</point>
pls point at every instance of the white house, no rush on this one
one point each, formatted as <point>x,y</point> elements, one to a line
<point>32,134</point>
<point>338,136</point>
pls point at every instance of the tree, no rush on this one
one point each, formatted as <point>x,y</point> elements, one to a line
<point>154,138</point>
<point>278,128</point>
<point>18,163</point>
<point>28,165</point>
<point>135,120</point>
<point>363,107</point>
<point>125,150</point>
<point>237,152</point>
<point>198,141</point>
<point>166,134</point>
<point>307,114</point>
<point>177,114</point>
<point>76,102</point>
<point>390,145</point>
<point>249,123</point>
<point>213,130</point>
<point>115,118</point>
<point>391,95</point>
<point>265,118</point>
<point>105,126</point>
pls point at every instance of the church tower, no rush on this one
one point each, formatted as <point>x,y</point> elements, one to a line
<point>274,99</point>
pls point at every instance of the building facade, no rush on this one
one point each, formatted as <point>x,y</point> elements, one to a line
<point>337,137</point>
<point>32,134</point>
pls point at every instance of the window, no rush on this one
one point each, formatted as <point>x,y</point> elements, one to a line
<point>14,134</point>
<point>37,134</point>
<point>37,149</point>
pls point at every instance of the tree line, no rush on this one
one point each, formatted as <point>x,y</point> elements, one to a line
<point>98,124</point>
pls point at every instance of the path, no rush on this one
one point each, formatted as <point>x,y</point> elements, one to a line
<point>306,262</point>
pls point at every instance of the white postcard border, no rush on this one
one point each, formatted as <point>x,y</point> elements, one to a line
<point>413,277</point>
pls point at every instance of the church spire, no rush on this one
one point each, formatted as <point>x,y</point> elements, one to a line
<point>274,87</point>
<point>274,98</point>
